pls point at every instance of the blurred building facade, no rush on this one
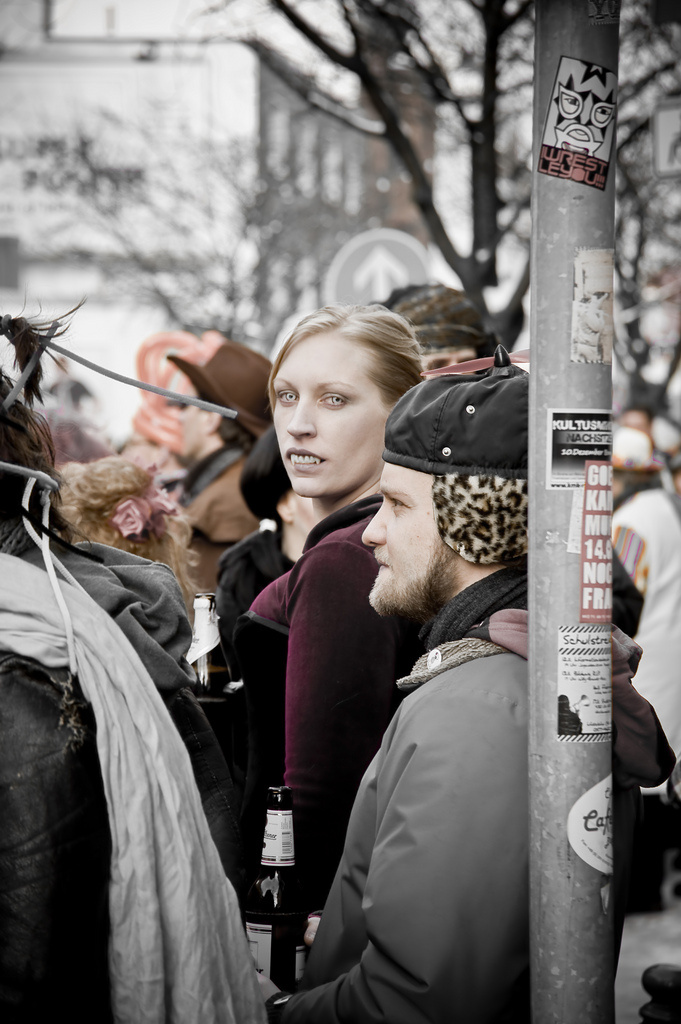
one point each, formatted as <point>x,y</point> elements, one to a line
<point>91,62</point>
<point>320,183</point>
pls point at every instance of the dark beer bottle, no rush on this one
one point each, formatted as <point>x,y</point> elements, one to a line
<point>275,919</point>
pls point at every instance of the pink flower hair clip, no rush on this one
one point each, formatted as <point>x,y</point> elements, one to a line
<point>138,517</point>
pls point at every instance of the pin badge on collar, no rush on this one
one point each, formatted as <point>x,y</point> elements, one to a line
<point>434,658</point>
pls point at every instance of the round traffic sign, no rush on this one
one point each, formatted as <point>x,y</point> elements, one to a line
<point>368,267</point>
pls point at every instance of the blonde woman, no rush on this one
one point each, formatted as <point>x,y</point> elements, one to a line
<point>332,385</point>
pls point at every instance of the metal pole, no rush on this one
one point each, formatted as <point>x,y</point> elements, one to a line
<point>575,94</point>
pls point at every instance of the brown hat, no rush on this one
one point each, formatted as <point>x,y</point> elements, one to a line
<point>443,317</point>
<point>234,376</point>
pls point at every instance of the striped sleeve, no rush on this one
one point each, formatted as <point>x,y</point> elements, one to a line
<point>630,548</point>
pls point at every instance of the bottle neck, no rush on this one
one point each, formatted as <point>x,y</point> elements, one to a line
<point>277,847</point>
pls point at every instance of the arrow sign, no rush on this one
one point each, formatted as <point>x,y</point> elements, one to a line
<point>380,272</point>
<point>372,264</point>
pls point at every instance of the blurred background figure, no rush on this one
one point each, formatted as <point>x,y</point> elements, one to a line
<point>666,436</point>
<point>72,413</point>
<point>636,464</point>
<point>159,460</point>
<point>647,540</point>
<point>285,517</point>
<point>675,470</point>
<point>116,502</point>
<point>638,417</point>
<point>214,449</point>
<point>448,326</point>
<point>156,438</point>
<point>156,420</point>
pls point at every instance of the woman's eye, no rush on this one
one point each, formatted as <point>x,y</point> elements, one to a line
<point>335,400</point>
<point>286,397</point>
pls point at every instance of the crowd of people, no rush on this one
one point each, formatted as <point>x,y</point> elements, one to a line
<point>364,531</point>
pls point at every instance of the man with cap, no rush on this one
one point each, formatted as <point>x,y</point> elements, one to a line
<point>427,919</point>
<point>214,448</point>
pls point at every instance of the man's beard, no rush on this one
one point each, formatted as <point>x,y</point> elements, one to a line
<point>418,599</point>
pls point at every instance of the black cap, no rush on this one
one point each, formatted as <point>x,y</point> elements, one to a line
<point>465,424</point>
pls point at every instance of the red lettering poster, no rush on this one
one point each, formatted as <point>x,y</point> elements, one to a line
<point>595,591</point>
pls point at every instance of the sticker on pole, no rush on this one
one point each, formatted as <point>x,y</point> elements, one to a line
<point>579,130</point>
<point>575,437</point>
<point>595,579</point>
<point>604,12</point>
<point>592,327</point>
<point>584,684</point>
<point>667,139</point>
<point>589,826</point>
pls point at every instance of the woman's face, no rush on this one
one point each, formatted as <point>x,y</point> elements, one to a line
<point>330,419</point>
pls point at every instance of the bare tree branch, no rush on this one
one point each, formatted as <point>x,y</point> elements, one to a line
<point>307,89</point>
<point>347,61</point>
<point>406,31</point>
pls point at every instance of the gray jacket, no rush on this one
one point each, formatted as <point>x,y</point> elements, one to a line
<point>427,919</point>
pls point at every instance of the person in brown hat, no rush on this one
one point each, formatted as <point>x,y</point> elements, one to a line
<point>214,450</point>
<point>448,325</point>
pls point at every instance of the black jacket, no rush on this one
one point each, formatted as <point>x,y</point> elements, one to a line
<point>243,572</point>
<point>55,844</point>
<point>55,850</point>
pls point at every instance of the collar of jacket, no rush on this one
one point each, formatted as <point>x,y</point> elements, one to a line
<point>342,517</point>
<point>446,656</point>
<point>207,470</point>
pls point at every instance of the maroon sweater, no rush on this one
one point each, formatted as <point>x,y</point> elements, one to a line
<point>343,660</point>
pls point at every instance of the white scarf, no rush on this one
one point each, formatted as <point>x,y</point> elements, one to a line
<point>177,952</point>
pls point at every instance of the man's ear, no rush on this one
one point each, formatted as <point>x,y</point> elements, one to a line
<point>211,422</point>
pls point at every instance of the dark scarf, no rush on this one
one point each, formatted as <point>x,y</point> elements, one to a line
<point>207,470</point>
<point>14,538</point>
<point>504,589</point>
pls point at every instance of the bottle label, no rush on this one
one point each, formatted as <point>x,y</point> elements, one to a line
<point>277,845</point>
<point>260,944</point>
<point>300,962</point>
<point>205,635</point>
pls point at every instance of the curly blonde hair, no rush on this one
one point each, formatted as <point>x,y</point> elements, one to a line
<point>91,493</point>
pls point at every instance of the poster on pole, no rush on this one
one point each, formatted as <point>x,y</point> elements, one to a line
<point>595,579</point>
<point>579,129</point>
<point>584,683</point>
<point>573,438</point>
<point>589,826</point>
<point>592,323</point>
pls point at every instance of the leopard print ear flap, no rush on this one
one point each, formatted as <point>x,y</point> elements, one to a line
<point>482,518</point>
